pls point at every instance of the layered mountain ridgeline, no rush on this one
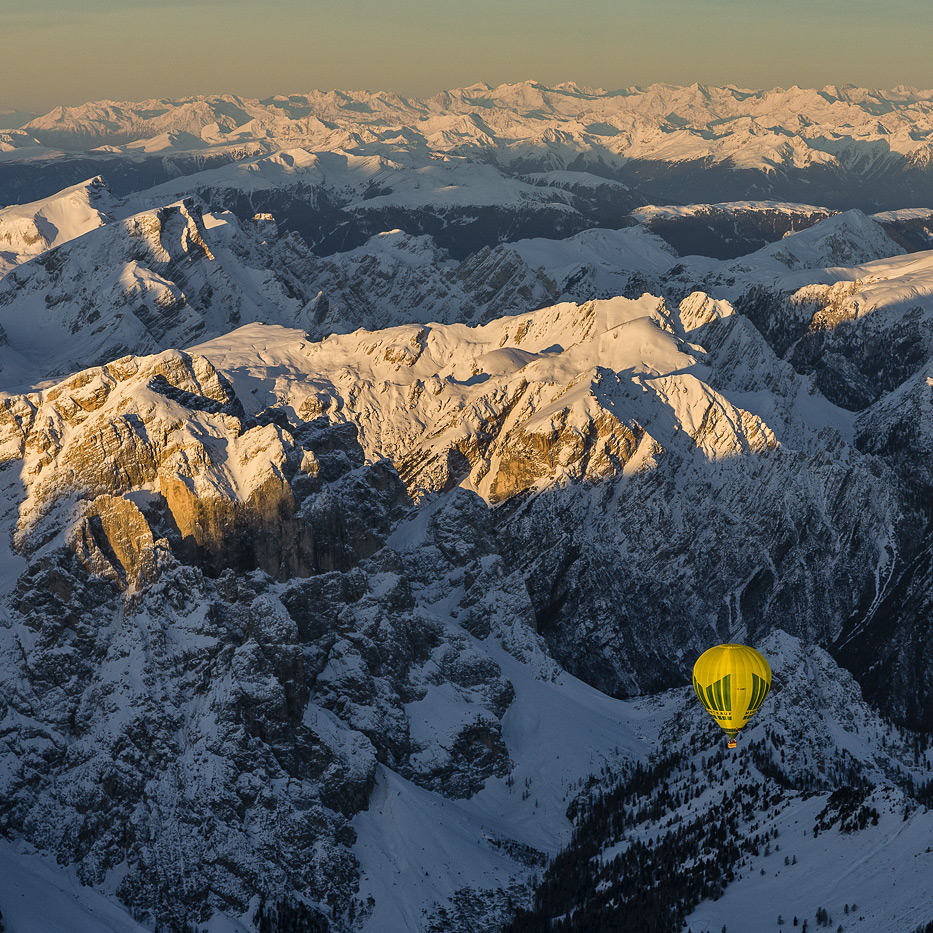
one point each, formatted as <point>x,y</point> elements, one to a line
<point>316,625</point>
<point>631,122</point>
<point>336,200</point>
<point>560,159</point>
<point>168,276</point>
<point>227,615</point>
<point>140,281</point>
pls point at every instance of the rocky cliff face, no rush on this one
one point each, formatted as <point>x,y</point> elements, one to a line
<point>607,438</point>
<point>227,490</point>
<point>187,708</point>
<point>727,231</point>
<point>399,277</point>
<point>862,337</point>
<point>217,624</point>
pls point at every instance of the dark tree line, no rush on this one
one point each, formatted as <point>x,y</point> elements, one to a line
<point>650,885</point>
<point>846,806</point>
<point>284,916</point>
<point>667,836</point>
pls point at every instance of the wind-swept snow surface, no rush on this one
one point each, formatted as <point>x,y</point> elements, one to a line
<point>26,230</point>
<point>37,896</point>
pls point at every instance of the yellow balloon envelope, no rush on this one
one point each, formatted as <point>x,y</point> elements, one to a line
<point>731,682</point>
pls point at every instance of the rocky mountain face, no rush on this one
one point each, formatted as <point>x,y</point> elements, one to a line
<point>210,674</point>
<point>397,277</point>
<point>611,409</point>
<point>778,829</point>
<point>215,621</point>
<point>370,484</point>
<point>727,231</point>
<point>861,336</point>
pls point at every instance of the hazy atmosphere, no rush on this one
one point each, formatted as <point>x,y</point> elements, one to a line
<point>61,52</point>
<point>465,467</point>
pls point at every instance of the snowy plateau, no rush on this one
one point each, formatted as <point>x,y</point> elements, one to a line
<point>373,471</point>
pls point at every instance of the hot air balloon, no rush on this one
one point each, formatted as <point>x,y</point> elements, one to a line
<point>731,682</point>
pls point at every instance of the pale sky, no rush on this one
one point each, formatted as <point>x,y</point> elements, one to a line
<point>69,51</point>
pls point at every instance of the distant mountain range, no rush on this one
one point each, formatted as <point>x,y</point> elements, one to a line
<point>839,146</point>
<point>846,126</point>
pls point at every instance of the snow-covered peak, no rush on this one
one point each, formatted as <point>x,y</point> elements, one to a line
<point>27,230</point>
<point>570,391</point>
<point>417,252</point>
<point>16,144</point>
<point>851,127</point>
<point>849,238</point>
<point>156,279</point>
<point>598,259</point>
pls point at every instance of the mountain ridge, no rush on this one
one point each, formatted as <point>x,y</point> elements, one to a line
<point>672,144</point>
<point>373,470</point>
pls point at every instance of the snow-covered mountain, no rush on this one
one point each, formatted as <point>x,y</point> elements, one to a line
<point>157,279</point>
<point>667,406</point>
<point>27,230</point>
<point>338,199</point>
<point>167,511</point>
<point>731,229</point>
<point>372,471</point>
<point>808,821</point>
<point>604,152</point>
<point>843,126</point>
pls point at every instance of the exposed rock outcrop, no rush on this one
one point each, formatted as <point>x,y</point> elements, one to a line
<point>198,727</point>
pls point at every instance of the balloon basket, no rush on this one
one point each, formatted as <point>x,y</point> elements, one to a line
<point>732,743</point>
